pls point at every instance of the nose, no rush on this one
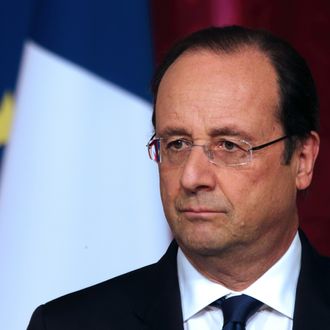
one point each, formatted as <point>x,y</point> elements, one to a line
<point>198,173</point>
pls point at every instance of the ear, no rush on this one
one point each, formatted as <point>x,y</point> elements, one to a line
<point>307,153</point>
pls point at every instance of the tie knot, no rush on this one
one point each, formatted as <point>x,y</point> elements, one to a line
<point>239,309</point>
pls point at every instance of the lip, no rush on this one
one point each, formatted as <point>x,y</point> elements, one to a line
<point>200,212</point>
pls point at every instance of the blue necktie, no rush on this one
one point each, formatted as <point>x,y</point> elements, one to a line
<point>237,310</point>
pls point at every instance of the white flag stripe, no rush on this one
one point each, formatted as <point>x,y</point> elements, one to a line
<point>79,200</point>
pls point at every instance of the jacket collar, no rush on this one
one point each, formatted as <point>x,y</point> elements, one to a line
<point>313,290</point>
<point>163,310</point>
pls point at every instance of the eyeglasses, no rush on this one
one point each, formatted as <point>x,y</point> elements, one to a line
<point>228,152</point>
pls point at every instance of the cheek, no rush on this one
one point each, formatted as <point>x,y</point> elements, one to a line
<point>246,191</point>
<point>259,194</point>
<point>169,187</point>
<point>238,185</point>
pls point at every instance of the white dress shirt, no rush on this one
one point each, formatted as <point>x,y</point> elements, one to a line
<point>276,289</point>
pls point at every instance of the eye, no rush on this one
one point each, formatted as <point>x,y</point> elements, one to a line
<point>177,145</point>
<point>228,145</point>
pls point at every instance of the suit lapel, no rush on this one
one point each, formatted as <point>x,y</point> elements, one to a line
<point>313,290</point>
<point>163,310</point>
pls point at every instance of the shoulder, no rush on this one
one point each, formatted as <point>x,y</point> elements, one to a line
<point>96,306</point>
<point>116,301</point>
<point>123,287</point>
<point>313,286</point>
<point>313,264</point>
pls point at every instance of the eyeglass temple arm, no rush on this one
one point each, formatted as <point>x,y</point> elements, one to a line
<point>269,143</point>
<point>152,137</point>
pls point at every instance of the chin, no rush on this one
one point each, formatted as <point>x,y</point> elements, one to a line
<point>202,245</point>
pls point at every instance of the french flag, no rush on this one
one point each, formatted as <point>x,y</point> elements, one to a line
<point>79,196</point>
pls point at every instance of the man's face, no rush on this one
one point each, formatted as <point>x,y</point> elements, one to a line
<point>214,209</point>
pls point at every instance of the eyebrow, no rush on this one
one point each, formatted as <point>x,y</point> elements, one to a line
<point>171,131</point>
<point>231,131</point>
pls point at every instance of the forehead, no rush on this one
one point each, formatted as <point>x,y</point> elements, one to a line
<point>211,90</point>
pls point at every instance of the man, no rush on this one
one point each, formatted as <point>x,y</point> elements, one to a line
<point>235,120</point>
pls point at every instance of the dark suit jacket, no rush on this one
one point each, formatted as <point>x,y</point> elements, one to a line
<point>149,298</point>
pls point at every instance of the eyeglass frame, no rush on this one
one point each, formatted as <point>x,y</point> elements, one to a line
<point>155,139</point>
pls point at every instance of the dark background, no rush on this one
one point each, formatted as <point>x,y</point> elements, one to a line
<point>306,25</point>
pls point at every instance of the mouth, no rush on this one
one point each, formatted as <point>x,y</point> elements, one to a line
<point>192,213</point>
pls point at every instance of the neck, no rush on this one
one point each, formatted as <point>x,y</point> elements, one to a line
<point>239,268</point>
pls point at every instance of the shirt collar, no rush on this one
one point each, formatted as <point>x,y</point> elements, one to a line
<point>276,288</point>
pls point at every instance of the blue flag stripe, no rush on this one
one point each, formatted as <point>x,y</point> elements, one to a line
<point>97,38</point>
